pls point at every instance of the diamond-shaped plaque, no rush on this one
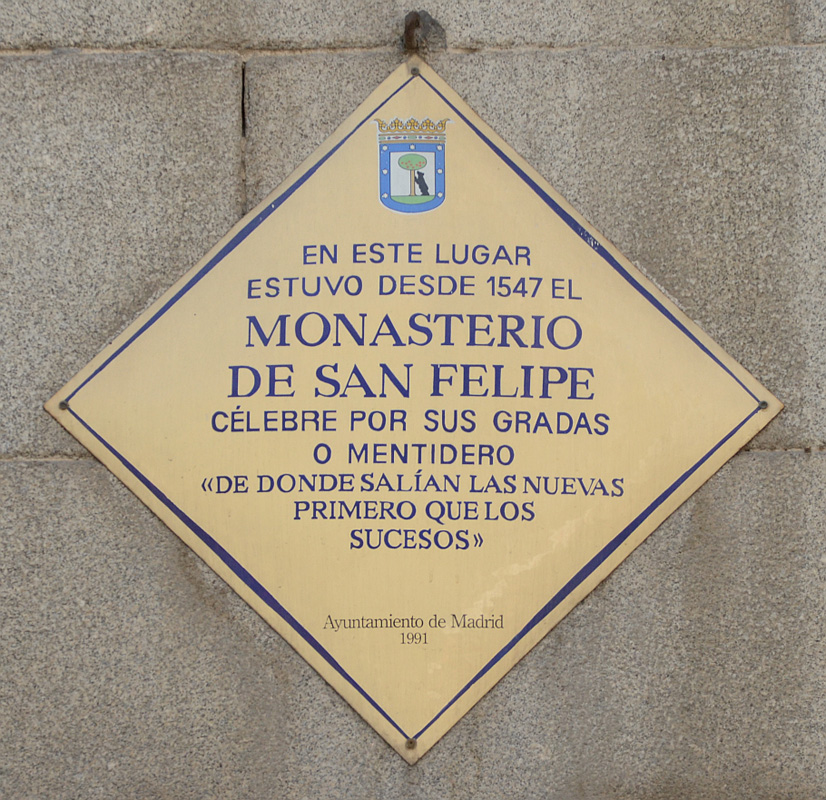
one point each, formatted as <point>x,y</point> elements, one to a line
<point>413,408</point>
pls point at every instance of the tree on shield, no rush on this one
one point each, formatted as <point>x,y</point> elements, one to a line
<point>411,162</point>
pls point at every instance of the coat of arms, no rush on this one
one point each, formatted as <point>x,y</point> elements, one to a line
<point>412,164</point>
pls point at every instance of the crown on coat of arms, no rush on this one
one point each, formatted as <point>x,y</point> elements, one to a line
<point>413,129</point>
<point>412,126</point>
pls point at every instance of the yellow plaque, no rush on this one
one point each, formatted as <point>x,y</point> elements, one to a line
<point>413,408</point>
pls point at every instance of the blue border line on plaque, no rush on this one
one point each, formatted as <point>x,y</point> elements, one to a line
<point>247,578</point>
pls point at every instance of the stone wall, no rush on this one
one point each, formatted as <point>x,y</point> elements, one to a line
<point>692,134</point>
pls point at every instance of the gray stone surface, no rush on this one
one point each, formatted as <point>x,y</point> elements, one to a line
<point>808,21</point>
<point>118,173</point>
<point>696,672</point>
<point>373,23</point>
<point>706,168</point>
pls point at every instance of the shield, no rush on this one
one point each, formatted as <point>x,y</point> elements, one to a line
<point>412,164</point>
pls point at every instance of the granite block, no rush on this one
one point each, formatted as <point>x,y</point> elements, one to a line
<point>706,168</point>
<point>125,671</point>
<point>119,172</point>
<point>696,671</point>
<point>371,23</point>
<point>585,22</point>
<point>808,21</point>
